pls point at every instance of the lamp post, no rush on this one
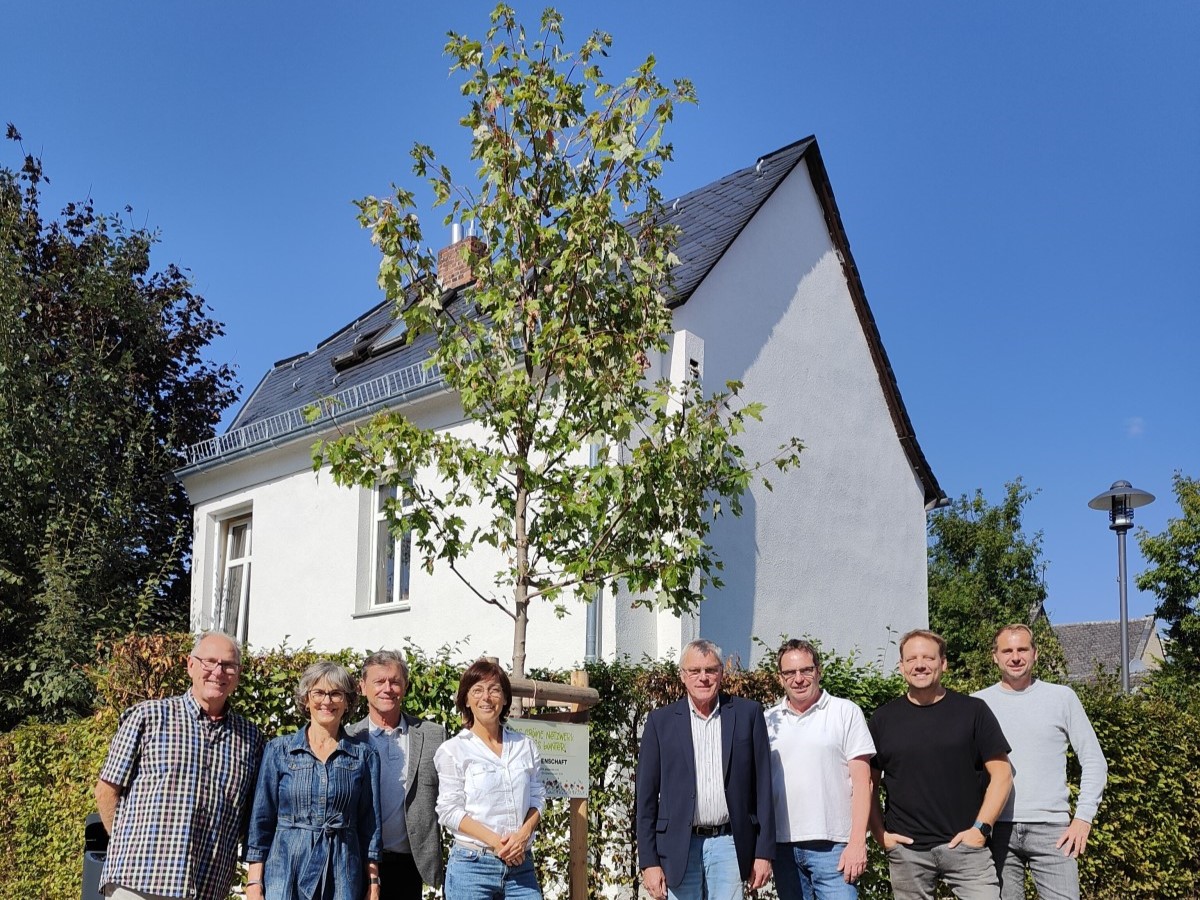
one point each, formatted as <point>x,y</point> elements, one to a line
<point>1121,500</point>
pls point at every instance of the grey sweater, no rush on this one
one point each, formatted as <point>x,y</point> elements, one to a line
<point>1039,722</point>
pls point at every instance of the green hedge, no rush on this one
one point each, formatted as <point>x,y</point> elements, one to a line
<point>1145,841</point>
<point>1143,845</point>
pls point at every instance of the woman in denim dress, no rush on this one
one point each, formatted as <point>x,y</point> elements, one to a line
<point>315,825</point>
<point>490,794</point>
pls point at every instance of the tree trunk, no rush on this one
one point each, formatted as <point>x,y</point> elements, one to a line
<point>519,627</point>
<point>521,585</point>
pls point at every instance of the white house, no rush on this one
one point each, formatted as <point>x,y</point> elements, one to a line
<point>767,293</point>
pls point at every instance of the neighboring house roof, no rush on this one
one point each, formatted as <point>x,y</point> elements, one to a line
<point>1089,645</point>
<point>709,219</point>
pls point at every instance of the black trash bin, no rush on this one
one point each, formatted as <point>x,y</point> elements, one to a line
<point>95,848</point>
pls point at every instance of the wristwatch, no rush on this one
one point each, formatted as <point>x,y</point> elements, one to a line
<point>984,828</point>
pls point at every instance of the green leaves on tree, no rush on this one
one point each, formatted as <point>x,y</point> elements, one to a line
<point>1174,577</point>
<point>102,382</point>
<point>592,471</point>
<point>985,572</point>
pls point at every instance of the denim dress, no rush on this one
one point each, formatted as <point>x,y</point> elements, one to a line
<point>315,824</point>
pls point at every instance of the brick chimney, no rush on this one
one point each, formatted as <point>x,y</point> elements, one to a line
<point>453,270</point>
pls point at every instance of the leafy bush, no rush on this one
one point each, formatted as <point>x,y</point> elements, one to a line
<point>1143,842</point>
<point>49,772</point>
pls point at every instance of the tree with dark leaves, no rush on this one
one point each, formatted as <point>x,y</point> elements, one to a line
<point>103,379</point>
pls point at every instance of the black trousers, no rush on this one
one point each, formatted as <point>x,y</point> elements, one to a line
<point>398,877</point>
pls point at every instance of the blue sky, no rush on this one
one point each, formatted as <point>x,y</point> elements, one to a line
<point>1019,182</point>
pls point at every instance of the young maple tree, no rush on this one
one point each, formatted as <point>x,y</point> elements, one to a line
<point>590,474</point>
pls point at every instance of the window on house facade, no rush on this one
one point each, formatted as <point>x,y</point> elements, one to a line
<point>233,591</point>
<point>392,562</point>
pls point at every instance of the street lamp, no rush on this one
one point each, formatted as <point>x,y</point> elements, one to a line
<point>1121,500</point>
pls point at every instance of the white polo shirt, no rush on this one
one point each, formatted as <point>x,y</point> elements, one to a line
<point>810,772</point>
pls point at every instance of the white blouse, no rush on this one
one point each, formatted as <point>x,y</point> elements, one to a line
<point>496,791</point>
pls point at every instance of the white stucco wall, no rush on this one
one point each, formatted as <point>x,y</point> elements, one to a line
<point>837,550</point>
<point>310,538</point>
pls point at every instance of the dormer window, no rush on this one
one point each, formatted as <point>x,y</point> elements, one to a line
<point>390,336</point>
<point>370,343</point>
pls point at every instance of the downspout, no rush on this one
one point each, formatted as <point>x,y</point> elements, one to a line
<point>591,651</point>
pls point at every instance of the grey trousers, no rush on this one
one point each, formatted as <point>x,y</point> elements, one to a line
<point>1016,845</point>
<point>968,871</point>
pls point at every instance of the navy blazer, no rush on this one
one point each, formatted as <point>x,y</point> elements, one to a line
<point>666,786</point>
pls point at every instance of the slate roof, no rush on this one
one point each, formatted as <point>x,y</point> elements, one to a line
<point>1087,645</point>
<point>709,219</point>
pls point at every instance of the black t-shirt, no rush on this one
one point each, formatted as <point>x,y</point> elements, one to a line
<point>932,759</point>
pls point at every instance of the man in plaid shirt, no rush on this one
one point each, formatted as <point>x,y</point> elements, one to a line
<point>176,787</point>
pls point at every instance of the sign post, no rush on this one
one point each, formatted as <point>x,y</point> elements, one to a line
<point>562,741</point>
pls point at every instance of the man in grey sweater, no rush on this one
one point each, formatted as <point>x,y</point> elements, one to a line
<point>1040,719</point>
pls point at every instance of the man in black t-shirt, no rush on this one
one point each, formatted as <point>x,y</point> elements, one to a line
<point>943,762</point>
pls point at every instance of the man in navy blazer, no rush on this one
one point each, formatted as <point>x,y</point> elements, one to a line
<point>705,817</point>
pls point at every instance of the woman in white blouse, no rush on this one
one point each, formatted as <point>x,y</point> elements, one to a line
<point>490,794</point>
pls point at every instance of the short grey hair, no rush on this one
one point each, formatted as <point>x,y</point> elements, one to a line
<point>338,678</point>
<point>385,658</point>
<point>205,635</point>
<point>703,647</point>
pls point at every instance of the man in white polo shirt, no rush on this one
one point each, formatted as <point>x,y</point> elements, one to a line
<point>821,754</point>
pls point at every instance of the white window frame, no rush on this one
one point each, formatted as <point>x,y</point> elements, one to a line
<point>234,564</point>
<point>391,575</point>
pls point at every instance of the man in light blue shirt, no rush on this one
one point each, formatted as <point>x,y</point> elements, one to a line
<point>412,841</point>
<point>1036,828</point>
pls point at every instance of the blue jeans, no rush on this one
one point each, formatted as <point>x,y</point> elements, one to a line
<point>808,870</point>
<point>1016,845</point>
<point>476,875</point>
<point>712,871</point>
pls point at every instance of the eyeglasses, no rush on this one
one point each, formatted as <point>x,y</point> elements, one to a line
<point>806,672</point>
<point>479,692</point>
<point>211,665</point>
<point>710,671</point>
<point>321,696</point>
